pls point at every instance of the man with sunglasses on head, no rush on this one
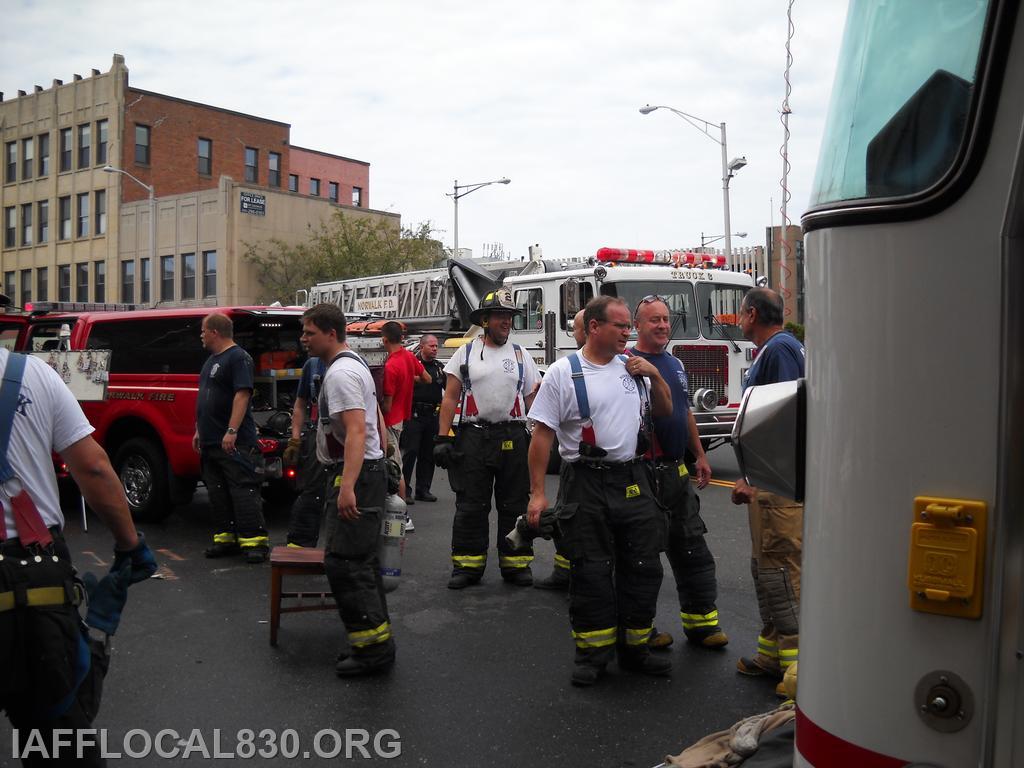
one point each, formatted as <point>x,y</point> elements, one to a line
<point>598,402</point>
<point>692,562</point>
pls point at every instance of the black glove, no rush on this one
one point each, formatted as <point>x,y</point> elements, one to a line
<point>547,524</point>
<point>444,451</point>
<point>143,564</point>
<point>107,597</point>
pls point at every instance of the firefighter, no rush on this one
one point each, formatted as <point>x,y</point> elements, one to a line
<point>495,381</point>
<point>599,403</point>
<point>308,507</point>
<point>776,523</point>
<point>692,562</point>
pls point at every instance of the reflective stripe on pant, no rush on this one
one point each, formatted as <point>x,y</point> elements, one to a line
<point>493,460</point>
<point>233,484</point>
<point>612,533</point>
<point>776,534</point>
<point>353,570</point>
<point>308,507</point>
<point>693,565</point>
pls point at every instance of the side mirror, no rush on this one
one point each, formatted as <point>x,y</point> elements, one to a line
<point>770,437</point>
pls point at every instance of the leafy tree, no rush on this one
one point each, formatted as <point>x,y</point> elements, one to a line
<point>345,246</point>
<point>796,329</point>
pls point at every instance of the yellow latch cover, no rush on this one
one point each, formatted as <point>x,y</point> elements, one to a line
<point>945,573</point>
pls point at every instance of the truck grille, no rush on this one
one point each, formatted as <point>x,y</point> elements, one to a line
<point>707,368</point>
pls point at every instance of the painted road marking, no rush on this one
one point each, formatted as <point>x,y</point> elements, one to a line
<point>97,558</point>
<point>171,555</point>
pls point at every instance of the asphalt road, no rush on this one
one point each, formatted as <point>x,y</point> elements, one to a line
<point>482,677</point>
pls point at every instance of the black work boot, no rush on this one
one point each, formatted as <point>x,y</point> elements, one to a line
<point>585,675</point>
<point>521,577</point>
<point>425,496</point>
<point>461,580</point>
<point>255,555</point>
<point>222,549</point>
<point>645,663</point>
<point>558,580</point>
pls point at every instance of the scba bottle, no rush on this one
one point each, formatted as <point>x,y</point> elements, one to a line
<point>391,543</point>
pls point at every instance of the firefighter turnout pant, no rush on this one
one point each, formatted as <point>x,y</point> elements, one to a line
<point>493,461</point>
<point>417,444</point>
<point>308,507</point>
<point>612,532</point>
<point>353,569</point>
<point>692,562</point>
<point>233,481</point>
<point>53,673</point>
<point>776,534</point>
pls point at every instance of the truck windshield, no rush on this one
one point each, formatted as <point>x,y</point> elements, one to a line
<point>678,296</point>
<point>901,97</point>
<point>719,310</point>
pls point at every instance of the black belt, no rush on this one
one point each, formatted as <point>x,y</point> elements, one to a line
<point>591,464</point>
<point>368,464</point>
<point>494,424</point>
<point>421,408</point>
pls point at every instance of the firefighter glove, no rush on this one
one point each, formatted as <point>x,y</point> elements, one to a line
<point>107,597</point>
<point>547,525</point>
<point>444,451</point>
<point>291,453</point>
<point>140,559</point>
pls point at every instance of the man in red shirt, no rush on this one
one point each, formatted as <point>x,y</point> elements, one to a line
<point>400,371</point>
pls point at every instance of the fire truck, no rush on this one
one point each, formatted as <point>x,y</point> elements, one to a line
<point>906,439</point>
<point>703,297</point>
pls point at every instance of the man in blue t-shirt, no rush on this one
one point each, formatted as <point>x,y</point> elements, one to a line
<point>692,563</point>
<point>308,507</point>
<point>776,523</point>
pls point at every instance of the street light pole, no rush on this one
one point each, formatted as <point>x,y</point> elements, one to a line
<point>728,167</point>
<point>706,240</point>
<point>152,215</point>
<point>455,194</point>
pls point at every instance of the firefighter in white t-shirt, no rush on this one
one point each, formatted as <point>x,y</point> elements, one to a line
<point>495,380</point>
<point>599,403</point>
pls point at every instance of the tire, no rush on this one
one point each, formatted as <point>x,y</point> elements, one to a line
<point>142,468</point>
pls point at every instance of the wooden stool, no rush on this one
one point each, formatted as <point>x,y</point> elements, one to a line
<point>295,561</point>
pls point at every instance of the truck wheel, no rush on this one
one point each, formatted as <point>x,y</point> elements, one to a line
<point>142,468</point>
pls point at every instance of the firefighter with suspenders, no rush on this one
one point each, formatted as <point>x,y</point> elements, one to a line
<point>495,380</point>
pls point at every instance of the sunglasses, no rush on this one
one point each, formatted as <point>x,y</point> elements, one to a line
<point>649,300</point>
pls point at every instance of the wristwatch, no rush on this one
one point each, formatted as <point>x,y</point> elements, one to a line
<point>232,431</point>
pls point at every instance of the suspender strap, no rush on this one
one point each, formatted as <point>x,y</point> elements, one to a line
<point>582,403</point>
<point>522,368</point>
<point>467,385</point>
<point>13,374</point>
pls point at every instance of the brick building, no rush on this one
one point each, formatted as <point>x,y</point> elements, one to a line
<point>219,179</point>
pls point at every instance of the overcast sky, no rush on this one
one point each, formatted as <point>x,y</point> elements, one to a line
<point>543,92</point>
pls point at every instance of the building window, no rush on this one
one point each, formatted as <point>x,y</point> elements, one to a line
<point>26,224</point>
<point>65,149</point>
<point>293,182</point>
<point>314,187</point>
<point>142,144</point>
<point>252,158</point>
<point>44,222</point>
<point>357,196</point>
<point>65,218</point>
<point>43,284</point>
<point>64,282</point>
<point>188,276</point>
<point>26,287</point>
<point>274,169</point>
<point>28,158</point>
<point>10,162</point>
<point>101,142</point>
<point>83,216</point>
<point>209,274</point>
<point>44,154</point>
<point>128,282</point>
<point>166,278</point>
<point>84,146</point>
<point>101,212</point>
<point>99,281</point>
<point>332,191</point>
<point>205,151</point>
<point>81,282</point>
<point>10,226</point>
<point>9,285</point>
<point>145,269</point>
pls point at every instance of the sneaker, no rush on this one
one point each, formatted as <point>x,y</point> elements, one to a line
<point>222,550</point>
<point>716,638</point>
<point>660,641</point>
<point>585,675</point>
<point>519,578</point>
<point>646,665</point>
<point>409,527</point>
<point>751,668</point>
<point>425,496</point>
<point>558,580</point>
<point>462,580</point>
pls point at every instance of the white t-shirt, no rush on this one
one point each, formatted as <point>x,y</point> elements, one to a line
<point>494,379</point>
<point>348,386</point>
<point>615,402</point>
<point>47,418</point>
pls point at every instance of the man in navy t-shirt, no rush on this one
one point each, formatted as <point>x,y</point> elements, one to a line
<point>776,523</point>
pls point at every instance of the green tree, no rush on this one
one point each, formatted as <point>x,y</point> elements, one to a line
<point>346,246</point>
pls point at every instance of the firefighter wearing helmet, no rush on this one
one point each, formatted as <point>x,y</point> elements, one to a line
<point>493,382</point>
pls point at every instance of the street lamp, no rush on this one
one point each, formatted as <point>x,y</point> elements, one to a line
<point>456,194</point>
<point>152,214</point>
<point>729,167</point>
<point>712,238</point>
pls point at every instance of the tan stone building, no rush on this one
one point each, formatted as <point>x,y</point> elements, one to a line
<point>218,180</point>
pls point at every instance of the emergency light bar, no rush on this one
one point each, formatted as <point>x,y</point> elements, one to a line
<point>669,258</point>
